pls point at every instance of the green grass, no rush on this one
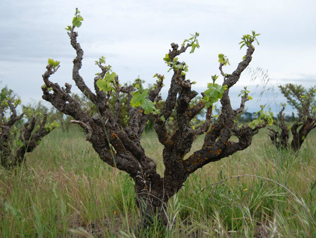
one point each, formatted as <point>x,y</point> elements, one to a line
<point>65,190</point>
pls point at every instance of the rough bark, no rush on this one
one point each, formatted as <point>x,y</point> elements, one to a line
<point>299,130</point>
<point>30,134</point>
<point>121,148</point>
<point>280,138</point>
<point>303,101</point>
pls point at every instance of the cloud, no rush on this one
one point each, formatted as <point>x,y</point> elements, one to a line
<point>134,35</point>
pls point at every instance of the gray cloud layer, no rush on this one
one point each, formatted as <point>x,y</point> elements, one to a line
<point>134,36</point>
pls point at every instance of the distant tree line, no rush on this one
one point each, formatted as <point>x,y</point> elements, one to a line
<point>250,116</point>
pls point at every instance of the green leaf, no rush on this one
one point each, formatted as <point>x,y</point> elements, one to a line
<point>108,82</point>
<point>139,97</point>
<point>77,20</point>
<point>148,106</point>
<point>103,85</point>
<point>193,42</point>
<point>223,59</point>
<point>17,102</point>
<point>192,49</point>
<point>243,46</point>
<point>50,61</point>
<point>100,61</point>
<point>50,126</point>
<point>244,92</point>
<point>178,66</point>
<point>253,124</point>
<point>248,39</point>
<point>213,93</point>
<point>214,78</point>
<point>53,63</point>
<point>264,116</point>
<point>110,76</point>
<point>167,58</point>
<point>77,11</point>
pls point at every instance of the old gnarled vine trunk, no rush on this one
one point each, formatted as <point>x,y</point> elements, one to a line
<point>16,141</point>
<point>120,146</point>
<point>303,101</point>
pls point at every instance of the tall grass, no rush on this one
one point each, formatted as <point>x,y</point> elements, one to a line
<point>65,190</point>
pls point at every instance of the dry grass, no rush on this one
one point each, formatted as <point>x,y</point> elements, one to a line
<point>64,186</point>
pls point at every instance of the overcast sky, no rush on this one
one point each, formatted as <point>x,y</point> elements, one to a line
<point>134,36</point>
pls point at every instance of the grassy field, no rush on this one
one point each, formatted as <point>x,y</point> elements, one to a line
<point>64,190</point>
